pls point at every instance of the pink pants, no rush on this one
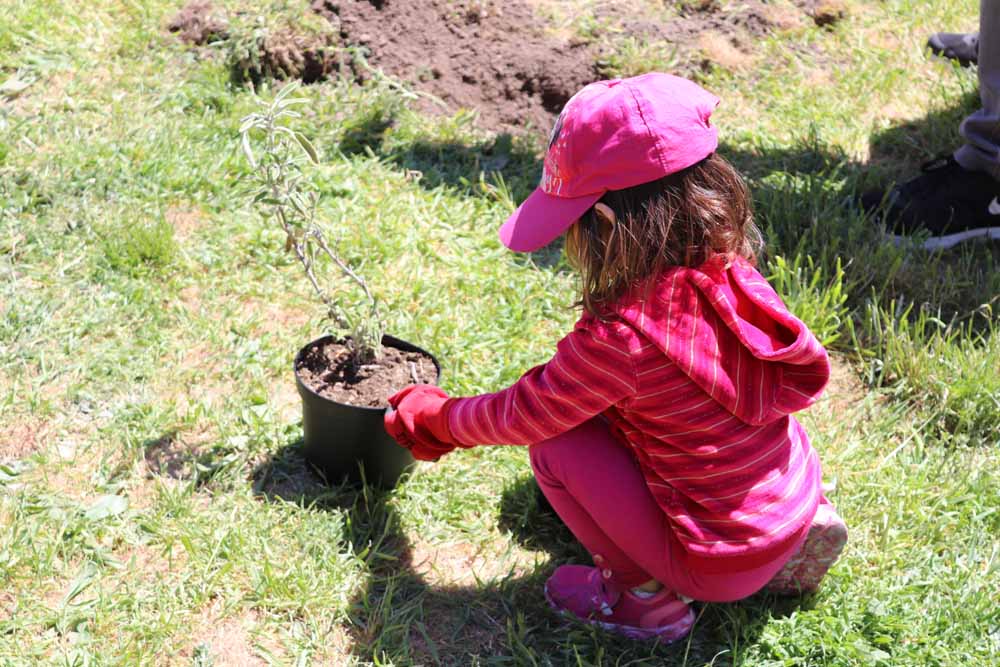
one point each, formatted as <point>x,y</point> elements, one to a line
<point>594,483</point>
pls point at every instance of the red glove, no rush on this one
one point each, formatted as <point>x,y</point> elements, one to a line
<point>418,420</point>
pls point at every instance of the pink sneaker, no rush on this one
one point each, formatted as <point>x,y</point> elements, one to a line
<point>580,591</point>
<point>803,572</point>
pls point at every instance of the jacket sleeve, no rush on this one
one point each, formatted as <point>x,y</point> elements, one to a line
<point>592,369</point>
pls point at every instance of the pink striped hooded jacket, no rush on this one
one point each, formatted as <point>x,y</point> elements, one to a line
<point>699,374</point>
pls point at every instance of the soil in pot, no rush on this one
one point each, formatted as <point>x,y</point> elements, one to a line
<point>325,369</point>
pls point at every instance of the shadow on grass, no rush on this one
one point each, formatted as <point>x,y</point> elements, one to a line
<point>502,167</point>
<point>170,455</point>
<point>805,202</point>
<point>401,616</point>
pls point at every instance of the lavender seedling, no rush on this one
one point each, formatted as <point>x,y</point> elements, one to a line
<point>283,199</point>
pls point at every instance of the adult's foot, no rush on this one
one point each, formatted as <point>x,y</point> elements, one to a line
<point>946,203</point>
<point>960,46</point>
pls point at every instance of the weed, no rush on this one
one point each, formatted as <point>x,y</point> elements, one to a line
<point>135,245</point>
<point>817,299</point>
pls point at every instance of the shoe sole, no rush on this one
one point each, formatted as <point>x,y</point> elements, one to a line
<point>821,549</point>
<point>963,62</point>
<point>666,633</point>
<point>950,240</point>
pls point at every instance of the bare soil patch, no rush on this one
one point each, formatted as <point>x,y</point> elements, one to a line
<point>489,56</point>
<point>185,220</point>
<point>226,639</point>
<point>465,564</point>
<point>19,439</point>
<point>199,22</point>
<point>845,389</point>
<point>324,368</point>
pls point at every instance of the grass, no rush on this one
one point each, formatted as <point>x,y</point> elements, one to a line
<point>155,508</point>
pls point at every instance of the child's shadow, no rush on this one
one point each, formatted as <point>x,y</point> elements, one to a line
<point>401,615</point>
<point>721,628</point>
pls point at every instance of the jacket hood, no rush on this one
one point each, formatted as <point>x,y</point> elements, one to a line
<point>728,330</point>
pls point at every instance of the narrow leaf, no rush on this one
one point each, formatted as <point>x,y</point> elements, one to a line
<point>248,151</point>
<point>286,90</point>
<point>88,573</point>
<point>106,506</point>
<point>307,147</point>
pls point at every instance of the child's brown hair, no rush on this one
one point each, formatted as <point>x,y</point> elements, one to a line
<point>683,219</point>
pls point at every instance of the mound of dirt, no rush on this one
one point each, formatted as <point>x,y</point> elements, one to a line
<point>199,23</point>
<point>492,57</point>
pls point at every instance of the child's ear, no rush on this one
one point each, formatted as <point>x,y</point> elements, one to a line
<point>604,213</point>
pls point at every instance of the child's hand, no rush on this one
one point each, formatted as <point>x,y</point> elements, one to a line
<point>418,420</point>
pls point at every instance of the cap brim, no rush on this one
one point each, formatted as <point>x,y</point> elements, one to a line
<point>542,218</point>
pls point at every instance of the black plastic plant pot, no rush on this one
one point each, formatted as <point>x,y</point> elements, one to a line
<point>349,442</point>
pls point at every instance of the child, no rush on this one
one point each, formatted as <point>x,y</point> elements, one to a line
<point>661,430</point>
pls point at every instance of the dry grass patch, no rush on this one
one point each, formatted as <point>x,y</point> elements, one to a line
<point>8,605</point>
<point>719,50</point>
<point>284,398</point>
<point>465,564</point>
<point>190,300</point>
<point>844,391</point>
<point>279,318</point>
<point>783,17</point>
<point>227,639</point>
<point>45,92</point>
<point>73,475</point>
<point>149,563</point>
<point>22,437</point>
<point>186,220</point>
<point>198,379</point>
<point>336,648</point>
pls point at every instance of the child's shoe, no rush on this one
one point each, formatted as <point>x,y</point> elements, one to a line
<point>582,592</point>
<point>803,572</point>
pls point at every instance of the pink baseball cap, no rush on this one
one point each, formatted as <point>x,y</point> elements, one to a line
<point>613,135</point>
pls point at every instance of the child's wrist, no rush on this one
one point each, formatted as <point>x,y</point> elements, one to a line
<point>444,420</point>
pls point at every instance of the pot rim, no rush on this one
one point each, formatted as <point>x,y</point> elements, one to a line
<point>386,338</point>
